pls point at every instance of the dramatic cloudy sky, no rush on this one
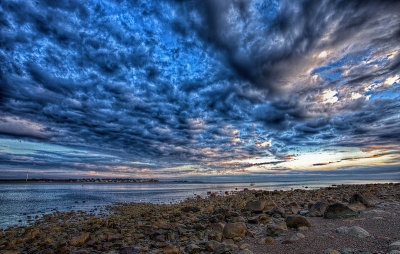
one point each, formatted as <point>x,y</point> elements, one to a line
<point>199,88</point>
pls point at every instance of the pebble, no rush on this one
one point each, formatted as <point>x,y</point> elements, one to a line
<point>395,245</point>
<point>267,240</point>
<point>331,251</point>
<point>297,236</point>
<point>347,251</point>
<point>244,246</point>
<point>246,251</point>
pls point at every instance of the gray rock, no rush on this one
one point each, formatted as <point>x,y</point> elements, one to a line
<point>342,230</point>
<point>303,212</point>
<point>353,231</point>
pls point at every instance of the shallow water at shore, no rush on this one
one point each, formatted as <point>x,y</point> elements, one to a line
<point>18,201</point>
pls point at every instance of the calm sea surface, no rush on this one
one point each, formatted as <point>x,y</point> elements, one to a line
<point>18,201</point>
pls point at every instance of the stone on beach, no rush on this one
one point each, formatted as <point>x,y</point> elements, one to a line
<point>225,248</point>
<point>296,221</point>
<point>339,210</point>
<point>232,230</point>
<point>255,206</point>
<point>317,209</point>
<point>353,231</point>
<point>276,229</point>
<point>366,198</point>
<point>267,240</point>
<point>211,245</point>
<point>170,249</point>
<point>297,236</point>
<point>357,206</point>
<point>261,218</point>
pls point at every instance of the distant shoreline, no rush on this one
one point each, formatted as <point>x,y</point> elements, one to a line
<point>92,180</point>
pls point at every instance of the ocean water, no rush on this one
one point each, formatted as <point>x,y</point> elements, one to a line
<point>20,200</point>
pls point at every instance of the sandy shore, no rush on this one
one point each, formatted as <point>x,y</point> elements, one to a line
<point>341,219</point>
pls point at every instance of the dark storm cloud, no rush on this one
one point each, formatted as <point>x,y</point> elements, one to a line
<point>189,82</point>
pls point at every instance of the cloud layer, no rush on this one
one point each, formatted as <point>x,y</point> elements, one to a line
<point>187,87</point>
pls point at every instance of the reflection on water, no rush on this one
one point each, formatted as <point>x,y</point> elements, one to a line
<point>18,201</point>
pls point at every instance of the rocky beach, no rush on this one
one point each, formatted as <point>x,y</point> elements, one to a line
<point>337,219</point>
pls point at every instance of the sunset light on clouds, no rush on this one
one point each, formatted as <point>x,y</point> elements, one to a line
<point>199,88</point>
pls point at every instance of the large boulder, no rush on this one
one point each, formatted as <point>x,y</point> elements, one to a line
<point>232,230</point>
<point>296,221</point>
<point>366,198</point>
<point>339,210</point>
